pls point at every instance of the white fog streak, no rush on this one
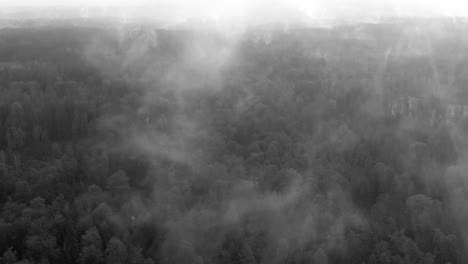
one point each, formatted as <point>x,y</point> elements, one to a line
<point>246,12</point>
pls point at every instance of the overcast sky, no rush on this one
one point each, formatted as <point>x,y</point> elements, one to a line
<point>244,10</point>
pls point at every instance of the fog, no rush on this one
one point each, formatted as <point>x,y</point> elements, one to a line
<point>241,13</point>
<point>313,209</point>
<point>234,131</point>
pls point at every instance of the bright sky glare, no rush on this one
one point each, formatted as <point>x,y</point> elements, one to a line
<point>241,9</point>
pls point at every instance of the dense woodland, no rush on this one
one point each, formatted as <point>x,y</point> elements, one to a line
<point>135,144</point>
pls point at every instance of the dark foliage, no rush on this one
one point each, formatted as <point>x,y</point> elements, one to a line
<point>144,146</point>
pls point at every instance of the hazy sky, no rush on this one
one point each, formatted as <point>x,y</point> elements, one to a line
<point>244,9</point>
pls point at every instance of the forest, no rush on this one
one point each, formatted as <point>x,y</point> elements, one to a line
<point>144,145</point>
